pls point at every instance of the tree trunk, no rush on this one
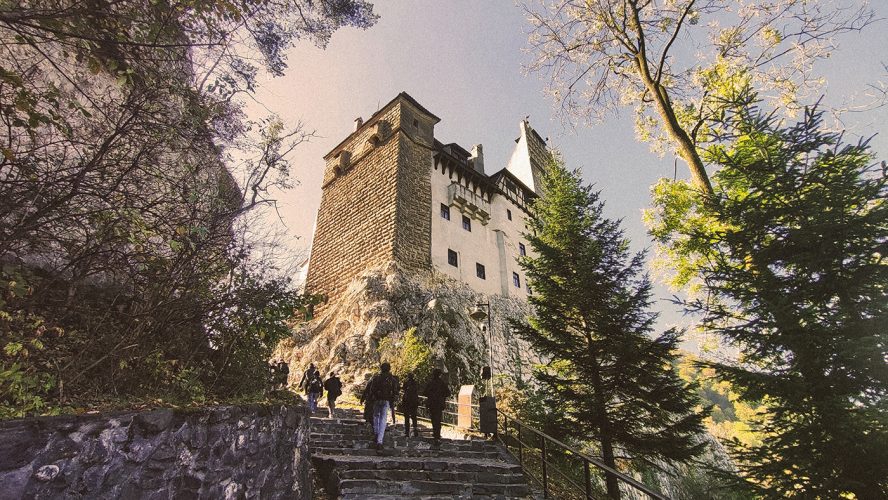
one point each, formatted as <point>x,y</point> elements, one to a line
<point>686,147</point>
<point>604,430</point>
<point>607,455</point>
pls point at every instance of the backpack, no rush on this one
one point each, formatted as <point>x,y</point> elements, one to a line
<point>385,388</point>
<point>436,393</point>
<point>315,386</point>
<point>411,394</point>
<point>333,386</point>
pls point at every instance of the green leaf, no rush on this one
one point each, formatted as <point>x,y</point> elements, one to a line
<point>13,348</point>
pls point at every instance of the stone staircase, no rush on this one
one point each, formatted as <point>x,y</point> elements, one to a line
<point>349,467</point>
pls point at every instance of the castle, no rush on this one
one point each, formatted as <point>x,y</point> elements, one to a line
<point>392,192</point>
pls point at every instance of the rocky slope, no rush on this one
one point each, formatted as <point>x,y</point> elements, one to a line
<point>384,303</point>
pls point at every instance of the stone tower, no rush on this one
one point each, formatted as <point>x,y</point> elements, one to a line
<point>376,198</point>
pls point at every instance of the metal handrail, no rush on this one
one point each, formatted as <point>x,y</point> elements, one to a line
<point>544,481</point>
<point>450,417</point>
<point>573,451</point>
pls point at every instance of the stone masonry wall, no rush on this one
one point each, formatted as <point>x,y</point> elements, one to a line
<point>378,208</point>
<point>219,452</point>
<point>356,222</point>
<point>413,230</point>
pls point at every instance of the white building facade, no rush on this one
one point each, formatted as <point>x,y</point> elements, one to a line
<point>478,220</point>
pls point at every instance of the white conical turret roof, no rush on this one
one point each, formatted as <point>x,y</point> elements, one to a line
<point>528,157</point>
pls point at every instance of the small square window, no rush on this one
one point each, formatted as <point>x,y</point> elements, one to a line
<point>445,212</point>
<point>516,280</point>
<point>509,214</point>
<point>452,258</point>
<point>529,291</point>
<point>467,223</point>
<point>522,250</point>
<point>479,270</point>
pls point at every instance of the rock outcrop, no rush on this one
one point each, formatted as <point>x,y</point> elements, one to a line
<point>385,302</point>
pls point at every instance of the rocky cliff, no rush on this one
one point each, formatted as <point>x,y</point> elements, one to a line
<point>385,302</point>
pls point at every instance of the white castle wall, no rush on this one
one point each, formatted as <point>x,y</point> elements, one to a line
<point>494,244</point>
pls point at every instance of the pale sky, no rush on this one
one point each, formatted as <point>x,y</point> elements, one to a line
<point>463,60</point>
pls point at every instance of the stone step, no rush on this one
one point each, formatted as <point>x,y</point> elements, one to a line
<point>407,452</point>
<point>399,444</point>
<point>332,440</point>
<point>364,496</point>
<point>454,488</point>
<point>426,475</point>
<point>419,463</point>
<point>315,421</point>
<point>351,468</point>
<point>325,428</point>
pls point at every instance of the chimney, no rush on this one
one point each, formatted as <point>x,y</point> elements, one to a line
<point>358,122</point>
<point>477,158</point>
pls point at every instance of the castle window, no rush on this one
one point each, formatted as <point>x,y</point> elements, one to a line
<point>415,123</point>
<point>522,249</point>
<point>467,223</point>
<point>452,258</point>
<point>479,271</point>
<point>445,212</point>
<point>516,280</point>
<point>509,214</point>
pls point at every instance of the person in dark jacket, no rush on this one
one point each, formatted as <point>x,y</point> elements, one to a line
<point>306,377</point>
<point>367,402</point>
<point>314,390</point>
<point>410,403</point>
<point>282,374</point>
<point>333,386</point>
<point>382,391</point>
<point>436,393</point>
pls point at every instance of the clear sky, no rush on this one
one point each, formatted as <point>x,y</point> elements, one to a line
<point>463,60</point>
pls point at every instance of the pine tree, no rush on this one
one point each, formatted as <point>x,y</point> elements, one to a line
<point>607,376</point>
<point>790,257</point>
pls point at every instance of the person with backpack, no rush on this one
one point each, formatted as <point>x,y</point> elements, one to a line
<point>314,390</point>
<point>333,386</point>
<point>306,377</point>
<point>382,391</point>
<point>436,393</point>
<point>410,403</point>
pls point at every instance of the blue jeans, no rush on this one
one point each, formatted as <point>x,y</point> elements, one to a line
<point>312,401</point>
<point>380,418</point>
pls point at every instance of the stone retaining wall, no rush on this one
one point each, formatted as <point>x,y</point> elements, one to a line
<point>216,452</point>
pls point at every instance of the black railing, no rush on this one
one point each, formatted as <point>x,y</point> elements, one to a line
<point>451,413</point>
<point>558,469</point>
